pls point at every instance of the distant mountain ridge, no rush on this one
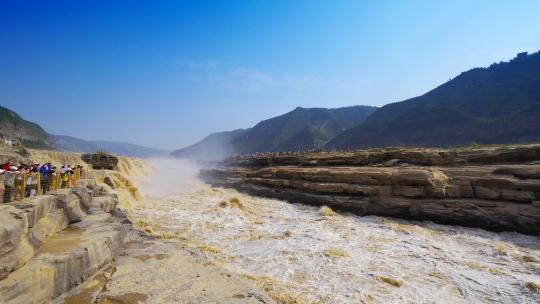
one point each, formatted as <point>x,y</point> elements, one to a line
<point>73,144</point>
<point>497,104</point>
<point>214,146</point>
<point>302,128</point>
<point>31,134</point>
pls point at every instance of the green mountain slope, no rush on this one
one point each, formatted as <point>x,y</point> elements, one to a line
<point>498,104</point>
<point>299,129</point>
<point>31,134</point>
<point>68,143</point>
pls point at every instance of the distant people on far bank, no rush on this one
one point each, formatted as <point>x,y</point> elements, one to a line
<point>275,154</point>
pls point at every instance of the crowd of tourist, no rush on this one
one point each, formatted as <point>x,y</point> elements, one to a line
<point>18,181</point>
<point>276,154</point>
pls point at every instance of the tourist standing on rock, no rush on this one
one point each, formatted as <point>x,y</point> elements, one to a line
<point>2,186</point>
<point>29,174</point>
<point>7,166</point>
<point>64,176</point>
<point>33,180</point>
<point>44,172</point>
<point>71,176</point>
<point>53,181</point>
<point>8,184</point>
<point>50,172</point>
<point>17,183</point>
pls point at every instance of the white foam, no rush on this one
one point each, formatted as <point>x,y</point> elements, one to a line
<point>436,263</point>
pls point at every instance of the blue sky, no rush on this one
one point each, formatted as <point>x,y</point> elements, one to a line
<point>167,73</point>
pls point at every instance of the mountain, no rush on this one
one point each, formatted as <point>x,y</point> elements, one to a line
<point>214,146</point>
<point>31,134</point>
<point>302,128</point>
<point>497,104</point>
<point>68,143</point>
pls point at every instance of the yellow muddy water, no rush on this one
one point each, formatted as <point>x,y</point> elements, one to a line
<point>302,254</point>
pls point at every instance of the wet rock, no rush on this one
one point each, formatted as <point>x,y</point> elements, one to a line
<point>105,203</point>
<point>68,201</point>
<point>108,181</point>
<point>85,196</point>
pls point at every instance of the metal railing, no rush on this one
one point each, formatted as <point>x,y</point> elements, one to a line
<point>22,185</point>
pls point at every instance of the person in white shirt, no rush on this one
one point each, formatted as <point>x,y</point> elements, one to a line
<point>32,182</point>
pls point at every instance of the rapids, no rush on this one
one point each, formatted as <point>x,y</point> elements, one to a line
<point>303,254</point>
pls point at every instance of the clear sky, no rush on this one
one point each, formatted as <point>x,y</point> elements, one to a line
<point>166,73</point>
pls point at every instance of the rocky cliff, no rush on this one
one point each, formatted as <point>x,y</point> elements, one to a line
<point>492,188</point>
<point>52,243</point>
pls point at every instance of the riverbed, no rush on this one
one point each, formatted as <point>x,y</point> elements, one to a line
<point>304,254</point>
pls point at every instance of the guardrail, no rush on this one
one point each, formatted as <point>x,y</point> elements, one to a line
<point>23,185</point>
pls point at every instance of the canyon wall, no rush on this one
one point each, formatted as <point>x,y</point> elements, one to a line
<point>492,188</point>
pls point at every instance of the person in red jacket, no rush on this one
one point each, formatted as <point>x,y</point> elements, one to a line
<point>7,166</point>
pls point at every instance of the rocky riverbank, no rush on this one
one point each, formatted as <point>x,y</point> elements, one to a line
<point>54,242</point>
<point>493,188</point>
<point>304,254</point>
<point>79,245</point>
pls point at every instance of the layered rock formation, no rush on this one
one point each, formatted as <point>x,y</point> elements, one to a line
<point>492,188</point>
<point>51,243</point>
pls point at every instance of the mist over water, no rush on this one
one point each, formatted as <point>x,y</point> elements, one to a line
<point>170,176</point>
<point>295,252</point>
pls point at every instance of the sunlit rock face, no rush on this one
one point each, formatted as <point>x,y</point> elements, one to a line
<point>308,254</point>
<point>52,243</point>
<point>493,188</point>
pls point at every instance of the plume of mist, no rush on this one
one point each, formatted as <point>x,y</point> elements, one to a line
<point>214,147</point>
<point>170,176</point>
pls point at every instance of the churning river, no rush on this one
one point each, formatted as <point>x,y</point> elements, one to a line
<point>304,254</point>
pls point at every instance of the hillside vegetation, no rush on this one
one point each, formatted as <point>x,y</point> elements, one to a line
<point>497,104</point>
<point>31,134</point>
<point>300,129</point>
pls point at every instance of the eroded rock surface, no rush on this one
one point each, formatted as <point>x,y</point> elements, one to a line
<point>42,255</point>
<point>496,188</point>
<point>156,271</point>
